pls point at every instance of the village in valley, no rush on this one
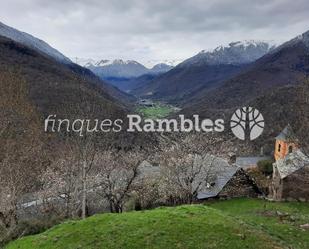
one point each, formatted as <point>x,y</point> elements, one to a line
<point>282,176</point>
<point>288,174</point>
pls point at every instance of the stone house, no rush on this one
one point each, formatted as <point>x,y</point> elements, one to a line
<point>229,181</point>
<point>290,179</point>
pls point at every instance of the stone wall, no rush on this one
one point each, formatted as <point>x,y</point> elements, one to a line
<point>276,186</point>
<point>282,148</point>
<point>296,185</point>
<point>240,185</point>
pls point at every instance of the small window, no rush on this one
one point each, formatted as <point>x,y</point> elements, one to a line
<point>290,149</point>
<point>279,147</point>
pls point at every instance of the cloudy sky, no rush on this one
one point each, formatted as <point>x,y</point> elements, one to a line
<point>153,30</point>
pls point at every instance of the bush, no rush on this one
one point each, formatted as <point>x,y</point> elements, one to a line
<point>28,227</point>
<point>266,166</point>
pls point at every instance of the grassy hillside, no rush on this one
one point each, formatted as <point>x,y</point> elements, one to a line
<point>242,223</point>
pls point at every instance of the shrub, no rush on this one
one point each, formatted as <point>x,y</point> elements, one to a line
<point>28,227</point>
<point>266,166</point>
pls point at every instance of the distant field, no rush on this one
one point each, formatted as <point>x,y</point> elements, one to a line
<point>157,111</point>
<point>239,223</point>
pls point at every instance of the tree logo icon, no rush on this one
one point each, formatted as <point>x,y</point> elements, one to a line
<point>247,123</point>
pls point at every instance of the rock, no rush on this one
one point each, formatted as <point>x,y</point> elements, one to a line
<point>305,226</point>
<point>279,213</point>
<point>242,236</point>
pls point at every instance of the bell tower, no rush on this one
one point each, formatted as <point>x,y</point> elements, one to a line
<point>286,143</point>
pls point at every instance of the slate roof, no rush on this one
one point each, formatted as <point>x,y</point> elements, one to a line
<point>248,162</point>
<point>148,170</point>
<point>291,163</point>
<point>214,175</point>
<point>220,172</point>
<point>287,134</point>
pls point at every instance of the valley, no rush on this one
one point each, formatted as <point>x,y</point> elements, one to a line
<point>229,184</point>
<point>155,110</point>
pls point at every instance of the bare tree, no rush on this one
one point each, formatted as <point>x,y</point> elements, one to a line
<point>20,154</point>
<point>185,168</point>
<point>147,190</point>
<point>117,173</point>
<point>86,151</point>
<point>61,183</point>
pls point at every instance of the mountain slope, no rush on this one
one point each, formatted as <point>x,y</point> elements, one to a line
<point>286,105</point>
<point>286,65</point>
<point>52,86</point>
<point>203,71</point>
<point>128,85</point>
<point>160,68</point>
<point>179,84</point>
<point>123,74</point>
<point>236,53</point>
<point>46,50</point>
<point>69,91</point>
<point>277,85</point>
<point>32,42</point>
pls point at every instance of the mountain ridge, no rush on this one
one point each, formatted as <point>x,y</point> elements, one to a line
<point>286,65</point>
<point>121,68</point>
<point>239,52</point>
<point>204,71</point>
<point>32,42</point>
<point>276,84</point>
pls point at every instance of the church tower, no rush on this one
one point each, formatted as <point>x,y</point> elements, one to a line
<point>285,143</point>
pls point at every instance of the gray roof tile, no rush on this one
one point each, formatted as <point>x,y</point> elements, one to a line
<point>220,173</point>
<point>291,163</point>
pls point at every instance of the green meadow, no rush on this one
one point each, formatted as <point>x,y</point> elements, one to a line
<point>238,223</point>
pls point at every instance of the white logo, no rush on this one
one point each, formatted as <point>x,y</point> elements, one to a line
<point>247,123</point>
<point>136,123</point>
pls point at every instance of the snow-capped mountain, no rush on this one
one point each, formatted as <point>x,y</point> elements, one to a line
<point>32,42</point>
<point>152,63</point>
<point>120,68</point>
<point>303,39</point>
<point>83,62</point>
<point>275,81</point>
<point>204,71</point>
<point>117,68</point>
<point>161,68</point>
<point>236,53</point>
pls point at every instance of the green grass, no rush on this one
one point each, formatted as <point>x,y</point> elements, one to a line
<point>241,223</point>
<point>280,220</point>
<point>155,112</point>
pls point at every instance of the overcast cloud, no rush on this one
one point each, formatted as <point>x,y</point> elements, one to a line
<point>158,30</point>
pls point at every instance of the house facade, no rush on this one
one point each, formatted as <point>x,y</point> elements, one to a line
<point>240,185</point>
<point>286,143</point>
<point>290,180</point>
<point>228,181</point>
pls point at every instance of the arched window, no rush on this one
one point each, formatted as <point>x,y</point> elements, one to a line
<point>290,149</point>
<point>279,147</point>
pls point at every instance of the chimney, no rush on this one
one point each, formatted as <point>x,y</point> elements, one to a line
<point>232,157</point>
